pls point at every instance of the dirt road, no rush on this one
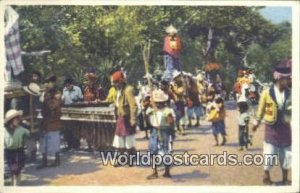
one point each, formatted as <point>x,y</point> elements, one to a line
<point>83,168</point>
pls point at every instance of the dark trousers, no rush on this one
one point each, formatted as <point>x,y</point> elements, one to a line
<point>243,136</point>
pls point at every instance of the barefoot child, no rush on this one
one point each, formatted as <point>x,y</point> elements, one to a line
<point>216,114</point>
<point>14,144</point>
<point>162,120</point>
<point>243,125</point>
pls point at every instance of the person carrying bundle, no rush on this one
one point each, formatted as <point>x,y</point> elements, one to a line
<point>216,115</point>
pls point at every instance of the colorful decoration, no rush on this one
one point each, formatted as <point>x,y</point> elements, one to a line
<point>211,67</point>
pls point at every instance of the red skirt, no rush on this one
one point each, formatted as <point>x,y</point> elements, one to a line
<point>123,126</point>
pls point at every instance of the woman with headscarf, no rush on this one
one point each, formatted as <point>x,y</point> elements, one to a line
<point>272,108</point>
<point>93,92</point>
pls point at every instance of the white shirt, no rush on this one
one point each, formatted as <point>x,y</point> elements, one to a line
<point>243,97</point>
<point>279,97</point>
<point>159,118</point>
<point>243,118</point>
<point>70,96</point>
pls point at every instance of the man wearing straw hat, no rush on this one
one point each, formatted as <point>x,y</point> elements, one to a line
<point>172,49</point>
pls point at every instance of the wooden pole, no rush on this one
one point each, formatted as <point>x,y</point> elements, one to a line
<point>146,57</point>
<point>31,113</point>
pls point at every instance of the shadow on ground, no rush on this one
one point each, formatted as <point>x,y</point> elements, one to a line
<point>189,175</point>
<point>203,130</point>
<point>70,165</point>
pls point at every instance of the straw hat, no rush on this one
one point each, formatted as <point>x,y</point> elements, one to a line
<point>283,70</point>
<point>171,29</point>
<point>12,114</point>
<point>33,89</point>
<point>159,96</point>
<point>176,73</point>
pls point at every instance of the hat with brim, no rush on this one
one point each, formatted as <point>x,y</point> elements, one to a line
<point>12,114</point>
<point>283,70</point>
<point>171,30</point>
<point>33,89</point>
<point>176,74</point>
<point>159,96</point>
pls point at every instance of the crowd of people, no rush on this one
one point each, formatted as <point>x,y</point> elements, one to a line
<point>164,108</point>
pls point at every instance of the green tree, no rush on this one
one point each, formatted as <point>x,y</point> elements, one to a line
<point>80,37</point>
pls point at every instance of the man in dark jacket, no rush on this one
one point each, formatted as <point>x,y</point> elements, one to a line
<point>51,123</point>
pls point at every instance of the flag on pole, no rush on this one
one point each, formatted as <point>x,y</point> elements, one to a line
<point>12,43</point>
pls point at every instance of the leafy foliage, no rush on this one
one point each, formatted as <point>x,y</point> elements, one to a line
<point>81,37</point>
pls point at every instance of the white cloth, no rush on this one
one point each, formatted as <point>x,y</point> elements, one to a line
<point>124,141</point>
<point>252,78</point>
<point>158,118</point>
<point>138,104</point>
<point>72,95</point>
<point>154,117</point>
<point>279,97</point>
<point>211,105</point>
<point>243,118</point>
<point>42,97</point>
<point>12,43</point>
<point>243,97</point>
<point>252,88</point>
<point>283,153</point>
<point>144,91</point>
